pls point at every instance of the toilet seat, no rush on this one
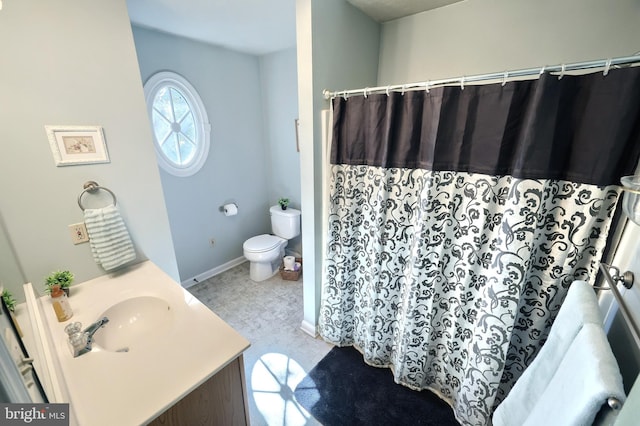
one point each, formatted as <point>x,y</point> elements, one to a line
<point>262,243</point>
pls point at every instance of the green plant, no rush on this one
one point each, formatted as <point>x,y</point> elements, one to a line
<point>284,202</point>
<point>9,300</point>
<point>61,278</point>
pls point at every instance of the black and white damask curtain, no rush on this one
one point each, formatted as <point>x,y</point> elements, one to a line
<point>458,219</point>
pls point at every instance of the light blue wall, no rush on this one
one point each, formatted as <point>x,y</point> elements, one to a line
<point>11,276</point>
<point>280,105</point>
<point>485,36</point>
<point>337,48</point>
<point>229,84</point>
<point>251,103</point>
<point>73,63</point>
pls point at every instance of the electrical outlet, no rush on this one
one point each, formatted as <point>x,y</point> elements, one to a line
<point>79,233</point>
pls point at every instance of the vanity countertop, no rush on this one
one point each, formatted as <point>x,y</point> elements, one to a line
<point>108,387</point>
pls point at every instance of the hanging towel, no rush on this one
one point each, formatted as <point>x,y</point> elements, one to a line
<point>540,380</point>
<point>110,242</point>
<point>586,377</point>
<point>579,307</point>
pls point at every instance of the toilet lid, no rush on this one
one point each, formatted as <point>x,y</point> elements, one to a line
<point>262,243</point>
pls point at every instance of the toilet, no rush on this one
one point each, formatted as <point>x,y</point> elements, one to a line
<point>265,252</point>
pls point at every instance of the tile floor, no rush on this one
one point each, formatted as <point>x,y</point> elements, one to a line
<point>268,314</point>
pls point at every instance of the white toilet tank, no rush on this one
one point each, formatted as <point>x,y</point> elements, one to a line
<point>285,223</point>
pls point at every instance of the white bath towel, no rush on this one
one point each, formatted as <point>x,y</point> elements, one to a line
<point>110,241</point>
<point>579,309</point>
<point>586,377</point>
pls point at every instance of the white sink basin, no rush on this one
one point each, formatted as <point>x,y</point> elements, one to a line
<point>133,323</point>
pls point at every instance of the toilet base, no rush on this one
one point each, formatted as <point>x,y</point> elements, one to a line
<point>260,271</point>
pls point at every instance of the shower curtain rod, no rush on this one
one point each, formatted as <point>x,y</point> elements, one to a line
<point>505,75</point>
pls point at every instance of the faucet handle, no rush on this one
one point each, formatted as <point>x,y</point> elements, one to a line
<point>78,340</point>
<point>73,328</point>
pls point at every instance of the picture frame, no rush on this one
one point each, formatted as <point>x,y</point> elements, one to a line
<point>77,145</point>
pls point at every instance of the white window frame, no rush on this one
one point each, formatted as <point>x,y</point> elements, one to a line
<point>202,125</point>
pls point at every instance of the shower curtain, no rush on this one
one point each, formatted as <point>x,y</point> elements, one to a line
<point>458,218</point>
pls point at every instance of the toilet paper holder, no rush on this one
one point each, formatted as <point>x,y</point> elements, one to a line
<point>223,208</point>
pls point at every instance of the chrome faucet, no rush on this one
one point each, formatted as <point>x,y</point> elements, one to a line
<point>81,341</point>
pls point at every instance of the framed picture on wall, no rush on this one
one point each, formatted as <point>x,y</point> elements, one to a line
<point>75,145</point>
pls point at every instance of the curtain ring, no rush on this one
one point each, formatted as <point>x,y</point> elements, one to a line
<point>426,87</point>
<point>607,66</point>
<point>387,91</point>
<point>404,86</point>
<point>544,67</point>
<point>365,92</point>
<point>562,72</point>
<point>344,95</point>
<point>504,78</point>
<point>462,82</point>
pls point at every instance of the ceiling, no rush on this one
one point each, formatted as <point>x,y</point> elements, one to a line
<point>251,26</point>
<point>386,10</point>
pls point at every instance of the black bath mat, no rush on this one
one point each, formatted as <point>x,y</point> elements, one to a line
<point>342,390</point>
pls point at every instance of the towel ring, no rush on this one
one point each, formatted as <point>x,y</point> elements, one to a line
<point>91,187</point>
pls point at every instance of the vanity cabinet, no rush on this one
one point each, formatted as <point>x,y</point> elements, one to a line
<point>219,401</point>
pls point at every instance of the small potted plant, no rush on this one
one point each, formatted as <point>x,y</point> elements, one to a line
<point>61,278</point>
<point>9,300</point>
<point>284,202</point>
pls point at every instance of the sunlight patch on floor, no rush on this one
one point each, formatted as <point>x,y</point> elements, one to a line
<point>273,380</point>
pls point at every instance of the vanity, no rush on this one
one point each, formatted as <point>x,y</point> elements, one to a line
<point>162,358</point>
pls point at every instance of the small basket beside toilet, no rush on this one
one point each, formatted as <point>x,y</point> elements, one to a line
<point>291,275</point>
<point>265,252</point>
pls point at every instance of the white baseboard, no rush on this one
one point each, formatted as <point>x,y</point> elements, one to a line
<point>213,272</point>
<point>308,328</point>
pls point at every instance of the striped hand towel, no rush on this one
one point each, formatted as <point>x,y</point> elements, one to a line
<point>110,242</point>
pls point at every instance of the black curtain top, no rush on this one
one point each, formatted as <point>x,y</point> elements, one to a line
<point>583,129</point>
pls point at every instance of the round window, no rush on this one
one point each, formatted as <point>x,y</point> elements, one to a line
<point>180,124</point>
